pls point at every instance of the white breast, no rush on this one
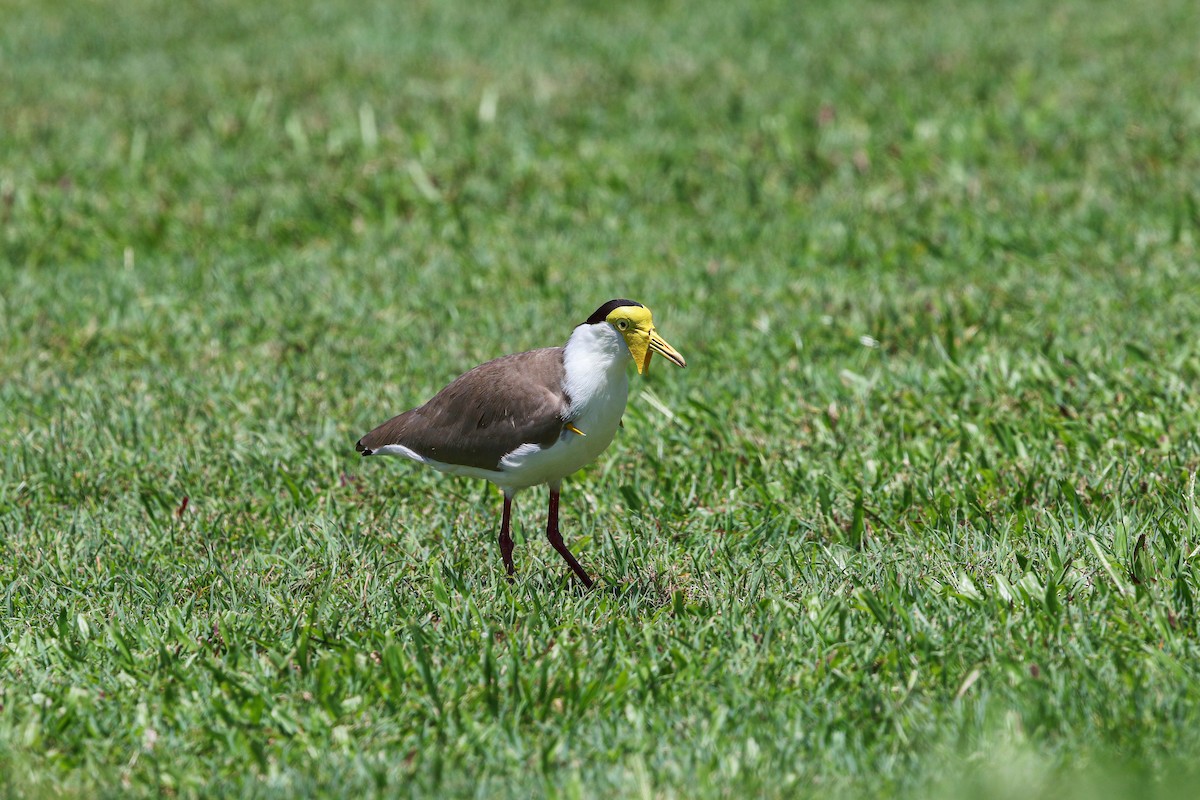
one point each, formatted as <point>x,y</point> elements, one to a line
<point>596,381</point>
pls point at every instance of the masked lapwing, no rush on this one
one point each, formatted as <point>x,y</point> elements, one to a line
<point>534,417</point>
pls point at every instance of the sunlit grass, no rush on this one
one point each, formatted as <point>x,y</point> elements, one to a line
<point>918,519</point>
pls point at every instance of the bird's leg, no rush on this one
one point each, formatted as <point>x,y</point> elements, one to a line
<point>556,539</point>
<point>506,542</point>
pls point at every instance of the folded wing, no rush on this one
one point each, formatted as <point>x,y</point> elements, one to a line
<point>484,414</point>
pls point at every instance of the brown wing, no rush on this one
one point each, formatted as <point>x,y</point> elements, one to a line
<point>484,414</point>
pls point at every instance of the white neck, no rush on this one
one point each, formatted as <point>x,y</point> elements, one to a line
<point>594,360</point>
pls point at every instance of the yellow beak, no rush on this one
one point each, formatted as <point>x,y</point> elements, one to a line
<point>656,344</point>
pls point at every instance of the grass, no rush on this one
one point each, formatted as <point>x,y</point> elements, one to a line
<point>919,519</point>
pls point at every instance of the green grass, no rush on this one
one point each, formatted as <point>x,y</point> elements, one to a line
<point>918,519</point>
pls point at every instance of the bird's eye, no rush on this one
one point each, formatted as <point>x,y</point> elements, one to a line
<point>622,324</point>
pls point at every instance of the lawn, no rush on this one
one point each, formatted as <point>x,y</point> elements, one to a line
<point>919,519</point>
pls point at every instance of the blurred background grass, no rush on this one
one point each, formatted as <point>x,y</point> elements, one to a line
<point>917,517</point>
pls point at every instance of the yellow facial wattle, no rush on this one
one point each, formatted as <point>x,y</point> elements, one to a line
<point>637,326</point>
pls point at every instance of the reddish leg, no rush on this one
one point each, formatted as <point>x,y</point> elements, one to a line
<point>556,539</point>
<point>506,542</point>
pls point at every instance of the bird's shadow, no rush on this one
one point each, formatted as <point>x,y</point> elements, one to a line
<point>634,592</point>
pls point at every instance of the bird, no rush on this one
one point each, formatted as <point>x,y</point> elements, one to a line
<point>531,418</point>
